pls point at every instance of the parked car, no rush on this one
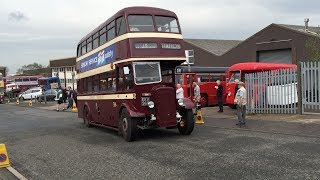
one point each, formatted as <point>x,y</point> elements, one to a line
<point>49,95</point>
<point>31,93</point>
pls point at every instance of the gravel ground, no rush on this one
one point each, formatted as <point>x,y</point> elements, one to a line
<point>45,144</point>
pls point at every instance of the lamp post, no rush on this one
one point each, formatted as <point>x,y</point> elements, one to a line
<point>65,79</point>
<point>73,74</point>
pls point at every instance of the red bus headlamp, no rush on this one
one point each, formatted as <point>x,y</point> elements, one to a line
<point>151,104</point>
<point>181,102</point>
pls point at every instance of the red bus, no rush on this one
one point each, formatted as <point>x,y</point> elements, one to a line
<point>125,73</point>
<point>237,71</point>
<point>23,82</point>
<point>206,78</point>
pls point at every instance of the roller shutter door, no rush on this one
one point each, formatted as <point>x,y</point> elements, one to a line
<point>276,56</point>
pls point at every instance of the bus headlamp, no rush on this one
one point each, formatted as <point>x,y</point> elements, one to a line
<point>151,104</point>
<point>181,102</point>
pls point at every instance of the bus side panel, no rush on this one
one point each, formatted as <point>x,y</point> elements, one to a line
<point>109,113</point>
<point>80,106</point>
<point>231,93</point>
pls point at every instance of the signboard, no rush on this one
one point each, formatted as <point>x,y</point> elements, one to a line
<point>98,59</point>
<point>190,57</point>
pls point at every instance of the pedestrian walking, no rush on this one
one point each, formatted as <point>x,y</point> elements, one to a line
<point>219,88</point>
<point>237,87</point>
<point>241,102</point>
<point>64,98</point>
<point>179,92</point>
<point>69,97</point>
<point>59,99</point>
<point>75,97</point>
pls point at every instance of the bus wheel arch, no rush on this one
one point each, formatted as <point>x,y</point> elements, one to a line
<point>127,125</point>
<point>204,100</point>
<point>86,115</point>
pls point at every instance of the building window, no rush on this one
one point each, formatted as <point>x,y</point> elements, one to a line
<point>61,69</point>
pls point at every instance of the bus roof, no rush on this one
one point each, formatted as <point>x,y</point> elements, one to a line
<point>48,78</point>
<point>200,69</point>
<point>131,10</point>
<point>21,77</point>
<point>256,66</point>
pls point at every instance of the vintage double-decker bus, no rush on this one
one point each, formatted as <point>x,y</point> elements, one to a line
<point>206,78</point>
<point>1,89</point>
<point>20,83</point>
<point>125,73</point>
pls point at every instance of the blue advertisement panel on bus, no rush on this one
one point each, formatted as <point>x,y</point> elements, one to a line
<point>98,59</point>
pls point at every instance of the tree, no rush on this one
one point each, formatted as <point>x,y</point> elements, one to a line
<point>28,67</point>
<point>312,48</point>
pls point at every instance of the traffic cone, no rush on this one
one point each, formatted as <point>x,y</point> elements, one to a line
<point>4,159</point>
<point>18,102</point>
<point>74,107</point>
<point>30,102</point>
<point>199,119</point>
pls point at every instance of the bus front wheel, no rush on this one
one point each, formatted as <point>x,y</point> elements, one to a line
<point>188,119</point>
<point>127,126</point>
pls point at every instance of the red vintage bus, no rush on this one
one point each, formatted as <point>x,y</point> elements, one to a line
<point>125,72</point>
<point>206,78</point>
<point>22,82</point>
<point>238,71</point>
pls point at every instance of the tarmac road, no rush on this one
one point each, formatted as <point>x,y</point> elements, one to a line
<point>45,144</point>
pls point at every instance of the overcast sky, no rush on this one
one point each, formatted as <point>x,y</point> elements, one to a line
<point>39,30</point>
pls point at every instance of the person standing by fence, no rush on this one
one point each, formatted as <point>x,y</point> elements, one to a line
<point>179,92</point>
<point>219,88</point>
<point>241,101</point>
<point>196,94</point>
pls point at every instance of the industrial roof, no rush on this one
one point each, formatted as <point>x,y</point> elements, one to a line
<point>214,46</point>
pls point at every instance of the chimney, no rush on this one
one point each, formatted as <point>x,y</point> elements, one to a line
<point>306,21</point>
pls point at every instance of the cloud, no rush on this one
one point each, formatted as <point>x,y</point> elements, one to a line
<point>17,16</point>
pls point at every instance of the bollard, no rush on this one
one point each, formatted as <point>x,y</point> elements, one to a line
<point>45,99</point>
<point>199,118</point>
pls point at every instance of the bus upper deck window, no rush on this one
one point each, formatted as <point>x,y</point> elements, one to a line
<point>142,23</point>
<point>167,24</point>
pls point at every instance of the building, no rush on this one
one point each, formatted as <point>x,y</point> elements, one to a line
<point>65,69</point>
<point>3,70</point>
<point>278,43</point>
<point>45,72</point>
<point>207,52</point>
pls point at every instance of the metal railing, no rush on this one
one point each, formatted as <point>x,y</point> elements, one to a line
<point>273,92</point>
<point>310,84</point>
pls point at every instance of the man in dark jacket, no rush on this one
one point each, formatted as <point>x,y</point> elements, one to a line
<point>219,88</point>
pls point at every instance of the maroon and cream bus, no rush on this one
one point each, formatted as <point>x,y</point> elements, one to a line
<point>126,73</point>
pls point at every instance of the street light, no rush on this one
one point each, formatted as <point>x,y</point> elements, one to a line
<point>72,74</point>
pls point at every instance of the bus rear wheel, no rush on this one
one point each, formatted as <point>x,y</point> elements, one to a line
<point>127,126</point>
<point>188,119</point>
<point>204,100</point>
<point>86,115</point>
